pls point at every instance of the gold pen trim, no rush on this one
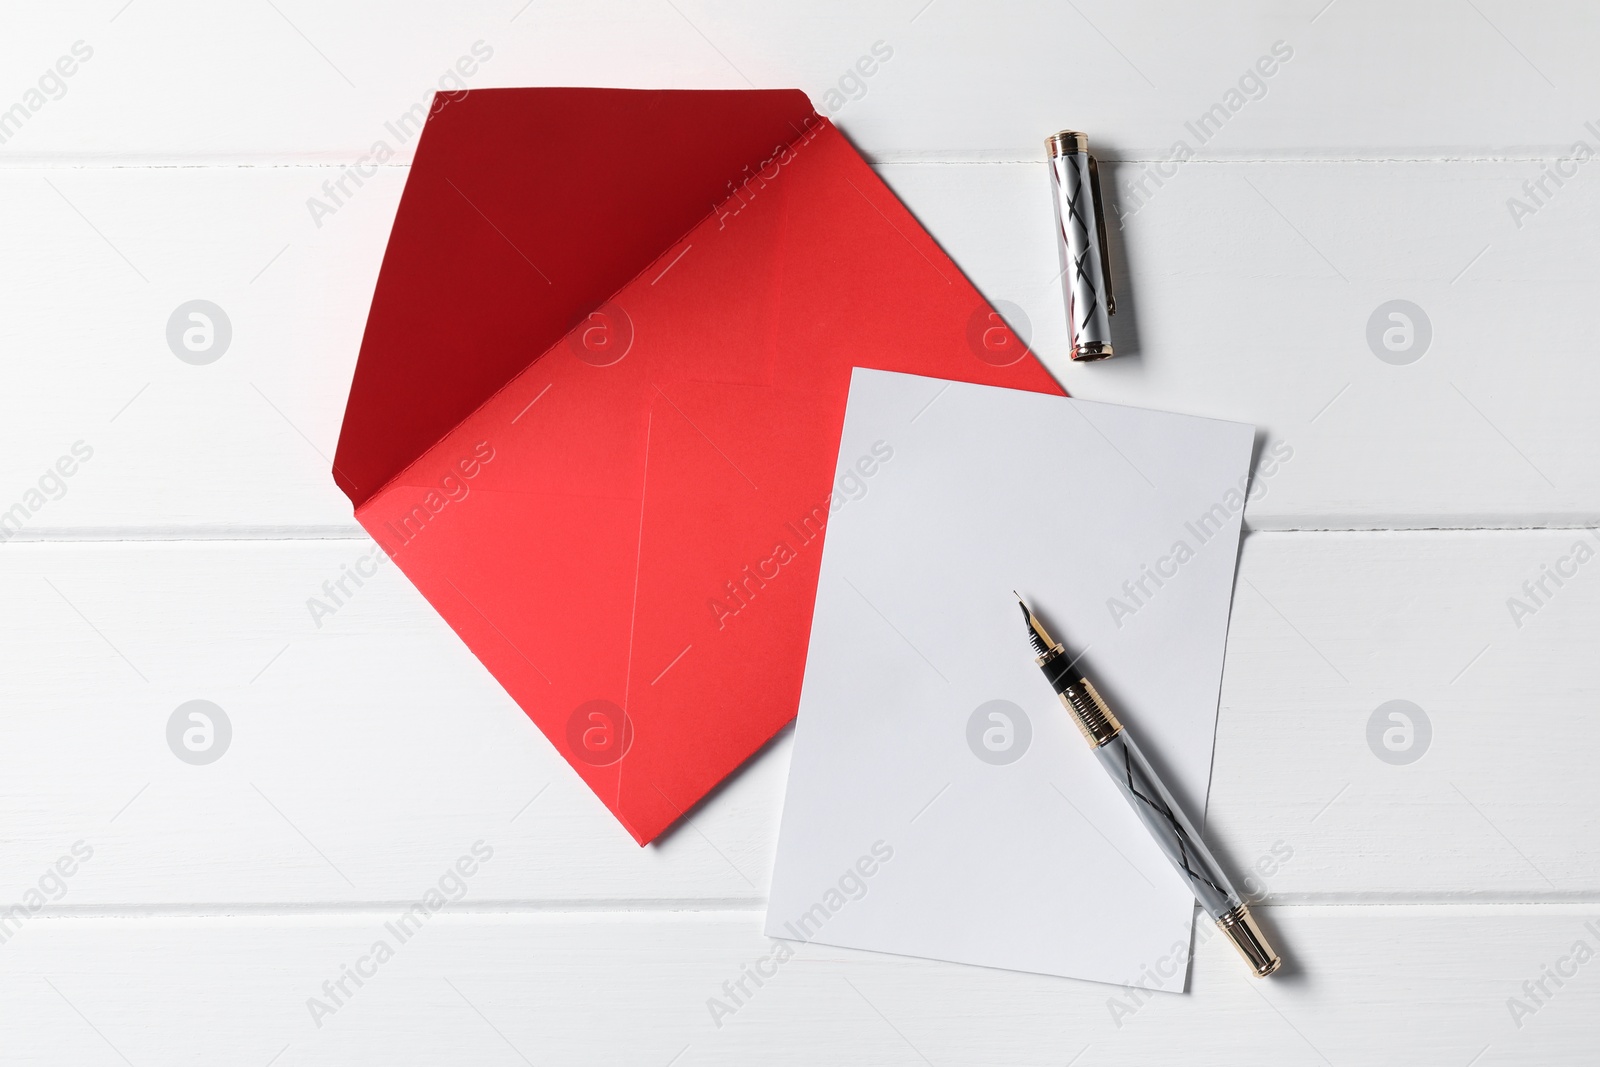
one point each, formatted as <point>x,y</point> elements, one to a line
<point>1093,716</point>
<point>1241,928</point>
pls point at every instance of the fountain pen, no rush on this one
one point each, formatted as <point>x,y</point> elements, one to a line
<point>1160,814</point>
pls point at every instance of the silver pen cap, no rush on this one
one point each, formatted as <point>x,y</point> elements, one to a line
<point>1081,238</point>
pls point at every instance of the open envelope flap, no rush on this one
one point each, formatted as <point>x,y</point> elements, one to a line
<point>628,534</point>
<point>524,210</point>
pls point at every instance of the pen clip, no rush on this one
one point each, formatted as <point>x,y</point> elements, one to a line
<point>1100,231</point>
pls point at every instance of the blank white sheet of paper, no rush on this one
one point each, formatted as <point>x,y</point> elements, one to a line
<point>940,802</point>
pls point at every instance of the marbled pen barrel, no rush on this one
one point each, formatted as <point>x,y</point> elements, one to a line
<point>1166,822</point>
<point>1174,834</point>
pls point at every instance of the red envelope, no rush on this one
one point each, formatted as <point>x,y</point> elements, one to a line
<point>598,405</point>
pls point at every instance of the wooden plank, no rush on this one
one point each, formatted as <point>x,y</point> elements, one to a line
<point>241,441</point>
<point>294,80</point>
<point>362,751</point>
<point>1245,292</point>
<point>1424,985</point>
<point>1498,800</point>
<point>368,749</point>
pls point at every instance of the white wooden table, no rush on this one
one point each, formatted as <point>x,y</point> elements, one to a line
<point>1425,904</point>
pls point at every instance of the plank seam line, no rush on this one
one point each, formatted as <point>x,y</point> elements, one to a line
<point>203,536</point>
<point>689,907</point>
<point>20,163</point>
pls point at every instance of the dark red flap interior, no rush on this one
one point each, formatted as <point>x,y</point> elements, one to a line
<point>526,209</point>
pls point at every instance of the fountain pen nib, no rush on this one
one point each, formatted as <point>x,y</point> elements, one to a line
<point>1043,643</point>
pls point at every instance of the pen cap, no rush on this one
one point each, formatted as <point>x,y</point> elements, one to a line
<point>1081,241</point>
